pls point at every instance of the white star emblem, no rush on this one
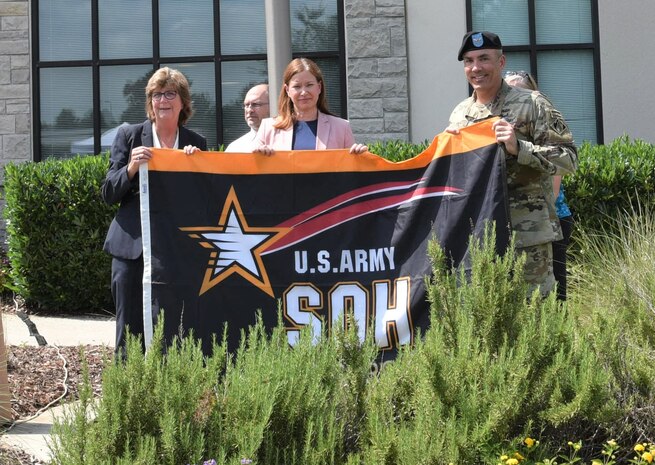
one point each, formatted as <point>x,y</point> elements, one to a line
<point>235,247</point>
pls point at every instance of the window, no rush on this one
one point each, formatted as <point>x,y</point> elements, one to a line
<point>92,60</point>
<point>557,42</point>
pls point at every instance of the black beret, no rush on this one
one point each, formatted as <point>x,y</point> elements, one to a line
<point>477,41</point>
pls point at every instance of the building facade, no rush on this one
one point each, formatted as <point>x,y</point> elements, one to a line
<point>390,65</point>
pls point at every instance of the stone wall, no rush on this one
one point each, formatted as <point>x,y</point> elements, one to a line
<point>14,82</point>
<point>376,49</point>
<point>15,108</point>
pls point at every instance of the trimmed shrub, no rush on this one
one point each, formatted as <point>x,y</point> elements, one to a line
<point>397,150</point>
<point>56,225</point>
<point>610,180</point>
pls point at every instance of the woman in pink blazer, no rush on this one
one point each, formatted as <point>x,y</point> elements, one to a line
<point>304,121</point>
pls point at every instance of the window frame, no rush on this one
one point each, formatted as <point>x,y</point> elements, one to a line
<point>95,63</point>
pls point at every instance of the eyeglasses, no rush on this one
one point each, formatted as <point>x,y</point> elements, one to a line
<point>523,74</point>
<point>254,106</point>
<point>528,81</point>
<point>169,95</point>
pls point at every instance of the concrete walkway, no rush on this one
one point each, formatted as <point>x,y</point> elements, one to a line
<point>61,331</point>
<point>32,436</point>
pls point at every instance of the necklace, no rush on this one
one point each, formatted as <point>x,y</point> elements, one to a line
<point>165,142</point>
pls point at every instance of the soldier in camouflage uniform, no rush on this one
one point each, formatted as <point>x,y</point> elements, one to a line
<point>537,144</point>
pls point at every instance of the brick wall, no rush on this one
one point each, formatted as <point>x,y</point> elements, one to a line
<point>376,47</point>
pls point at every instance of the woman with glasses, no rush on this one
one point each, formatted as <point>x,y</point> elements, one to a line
<point>168,107</point>
<point>304,121</point>
<point>526,81</point>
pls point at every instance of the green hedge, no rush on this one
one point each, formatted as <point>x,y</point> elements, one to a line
<point>56,225</point>
<point>610,180</point>
<point>397,150</point>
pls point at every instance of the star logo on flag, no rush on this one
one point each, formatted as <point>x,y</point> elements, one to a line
<point>235,247</point>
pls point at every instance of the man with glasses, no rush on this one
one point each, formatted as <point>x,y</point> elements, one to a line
<point>255,108</point>
<point>537,145</point>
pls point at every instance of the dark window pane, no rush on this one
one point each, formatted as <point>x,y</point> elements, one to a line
<point>518,61</point>
<point>66,110</point>
<point>125,28</point>
<point>203,92</point>
<point>186,28</point>
<point>122,98</point>
<point>123,94</point>
<point>331,74</point>
<point>243,27</point>
<point>507,18</point>
<point>567,78</point>
<point>238,78</point>
<point>563,21</point>
<point>64,30</point>
<point>314,26</point>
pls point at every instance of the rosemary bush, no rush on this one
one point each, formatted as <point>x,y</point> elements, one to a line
<point>267,403</point>
<point>492,368</point>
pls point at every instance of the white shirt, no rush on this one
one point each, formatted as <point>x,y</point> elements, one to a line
<point>155,139</point>
<point>244,144</point>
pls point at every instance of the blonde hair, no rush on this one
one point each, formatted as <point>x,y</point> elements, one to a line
<point>169,77</point>
<point>521,79</point>
<point>286,114</point>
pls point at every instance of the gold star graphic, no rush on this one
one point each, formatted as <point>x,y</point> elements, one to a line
<point>235,247</point>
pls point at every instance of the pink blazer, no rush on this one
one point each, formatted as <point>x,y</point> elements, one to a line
<point>332,133</point>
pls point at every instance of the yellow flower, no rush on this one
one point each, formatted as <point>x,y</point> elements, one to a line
<point>529,442</point>
<point>612,443</point>
<point>518,456</point>
<point>596,462</point>
<point>647,456</point>
<point>503,458</point>
<point>639,448</point>
<point>512,462</point>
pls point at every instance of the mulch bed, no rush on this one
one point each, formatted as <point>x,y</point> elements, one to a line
<point>40,375</point>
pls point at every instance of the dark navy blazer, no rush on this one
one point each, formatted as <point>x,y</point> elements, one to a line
<point>124,235</point>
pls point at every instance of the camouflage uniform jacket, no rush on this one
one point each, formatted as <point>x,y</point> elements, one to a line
<point>546,148</point>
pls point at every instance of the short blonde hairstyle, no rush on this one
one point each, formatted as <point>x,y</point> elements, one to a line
<point>521,79</point>
<point>169,77</point>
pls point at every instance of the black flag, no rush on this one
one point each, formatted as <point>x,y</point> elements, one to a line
<point>314,234</point>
